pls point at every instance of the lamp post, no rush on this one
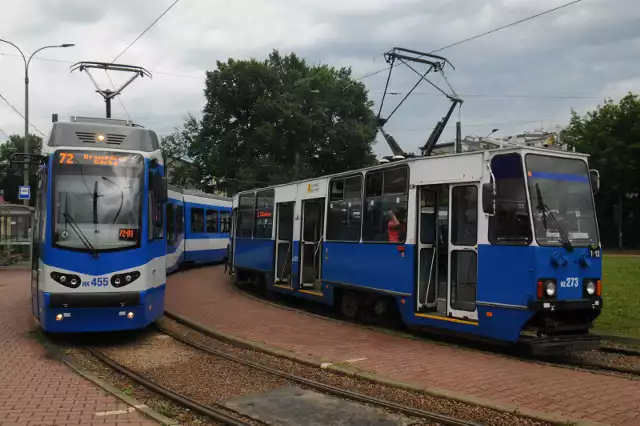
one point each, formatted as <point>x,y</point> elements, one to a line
<point>26,100</point>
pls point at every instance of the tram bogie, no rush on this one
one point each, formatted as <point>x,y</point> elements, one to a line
<point>500,245</point>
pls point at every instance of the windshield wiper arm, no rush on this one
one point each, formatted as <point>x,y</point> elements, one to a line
<point>555,226</point>
<point>81,235</point>
<point>121,197</point>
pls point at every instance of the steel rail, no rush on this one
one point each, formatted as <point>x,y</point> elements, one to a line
<point>343,393</point>
<point>168,393</point>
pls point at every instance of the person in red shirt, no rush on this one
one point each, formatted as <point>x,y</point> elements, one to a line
<point>396,228</point>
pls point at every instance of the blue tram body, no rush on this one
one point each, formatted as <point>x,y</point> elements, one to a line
<point>199,226</point>
<point>106,232</point>
<point>501,245</point>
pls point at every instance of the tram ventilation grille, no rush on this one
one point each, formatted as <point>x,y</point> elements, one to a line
<point>86,137</point>
<point>90,137</point>
<point>115,139</point>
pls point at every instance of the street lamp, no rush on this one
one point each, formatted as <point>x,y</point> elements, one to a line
<point>26,100</point>
<point>492,132</point>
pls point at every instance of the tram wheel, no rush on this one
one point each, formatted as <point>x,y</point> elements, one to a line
<point>349,305</point>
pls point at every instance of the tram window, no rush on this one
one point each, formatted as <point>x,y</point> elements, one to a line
<point>212,221</point>
<point>171,226</point>
<point>263,225</point>
<point>385,206</point>
<point>246,213</point>
<point>43,210</point>
<point>464,215</point>
<point>345,209</point>
<point>197,220</point>
<point>225,222</point>
<point>511,224</point>
<point>179,220</point>
<point>156,228</point>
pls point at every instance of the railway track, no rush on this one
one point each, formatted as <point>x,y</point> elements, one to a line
<point>325,388</point>
<point>223,414</point>
<point>181,399</point>
<point>621,360</point>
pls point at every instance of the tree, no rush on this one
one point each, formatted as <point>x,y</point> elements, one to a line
<point>11,179</point>
<point>280,119</point>
<point>611,135</point>
<point>182,171</point>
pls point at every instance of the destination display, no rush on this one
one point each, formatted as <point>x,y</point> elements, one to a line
<point>96,159</point>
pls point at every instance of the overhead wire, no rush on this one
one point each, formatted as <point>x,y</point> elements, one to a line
<point>481,35</point>
<point>145,31</point>
<point>119,95</point>
<point>20,114</point>
<point>129,46</point>
<point>540,120</point>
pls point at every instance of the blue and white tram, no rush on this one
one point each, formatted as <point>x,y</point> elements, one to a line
<point>102,242</point>
<point>500,245</point>
<point>98,255</point>
<point>198,226</point>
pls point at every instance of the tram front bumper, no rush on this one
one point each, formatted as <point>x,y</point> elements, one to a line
<point>565,305</point>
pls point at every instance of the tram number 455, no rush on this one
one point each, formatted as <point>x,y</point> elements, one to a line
<point>96,282</point>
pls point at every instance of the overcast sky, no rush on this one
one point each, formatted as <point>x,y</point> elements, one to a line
<point>580,54</point>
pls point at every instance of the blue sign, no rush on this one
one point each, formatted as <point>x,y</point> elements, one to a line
<point>24,192</point>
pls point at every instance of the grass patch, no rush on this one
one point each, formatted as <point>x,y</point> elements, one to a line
<point>621,287</point>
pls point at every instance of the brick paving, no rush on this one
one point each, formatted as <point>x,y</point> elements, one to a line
<point>203,295</point>
<point>36,390</point>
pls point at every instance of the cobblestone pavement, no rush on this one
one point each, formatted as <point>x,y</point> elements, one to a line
<point>204,295</point>
<point>36,390</point>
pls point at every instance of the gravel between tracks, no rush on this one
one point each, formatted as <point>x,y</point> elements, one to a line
<point>157,402</point>
<point>208,379</point>
<point>607,359</point>
<point>413,399</point>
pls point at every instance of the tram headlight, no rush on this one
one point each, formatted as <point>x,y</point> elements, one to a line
<point>67,280</point>
<point>121,280</point>
<point>550,288</point>
<point>591,287</point>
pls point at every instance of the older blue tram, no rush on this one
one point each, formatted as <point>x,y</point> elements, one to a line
<point>500,244</point>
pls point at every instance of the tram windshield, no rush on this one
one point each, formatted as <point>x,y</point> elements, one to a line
<point>561,201</point>
<point>97,200</point>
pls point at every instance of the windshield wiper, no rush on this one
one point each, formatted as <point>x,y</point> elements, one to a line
<point>81,235</point>
<point>555,226</point>
<point>121,197</point>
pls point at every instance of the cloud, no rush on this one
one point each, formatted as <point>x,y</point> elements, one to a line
<point>588,49</point>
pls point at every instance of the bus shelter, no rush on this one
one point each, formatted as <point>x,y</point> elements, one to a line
<point>15,234</point>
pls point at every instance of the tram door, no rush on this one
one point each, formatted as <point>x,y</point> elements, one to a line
<point>311,244</point>
<point>284,243</point>
<point>232,239</point>
<point>463,255</point>
<point>37,237</point>
<point>432,238</point>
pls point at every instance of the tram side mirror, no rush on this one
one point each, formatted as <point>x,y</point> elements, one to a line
<point>594,175</point>
<point>488,200</point>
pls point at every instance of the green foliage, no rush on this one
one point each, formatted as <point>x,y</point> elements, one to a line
<point>260,116</point>
<point>175,146</point>
<point>611,136</point>
<point>11,179</point>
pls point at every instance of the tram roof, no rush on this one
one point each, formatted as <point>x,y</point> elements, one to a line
<point>116,136</point>
<point>503,150</point>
